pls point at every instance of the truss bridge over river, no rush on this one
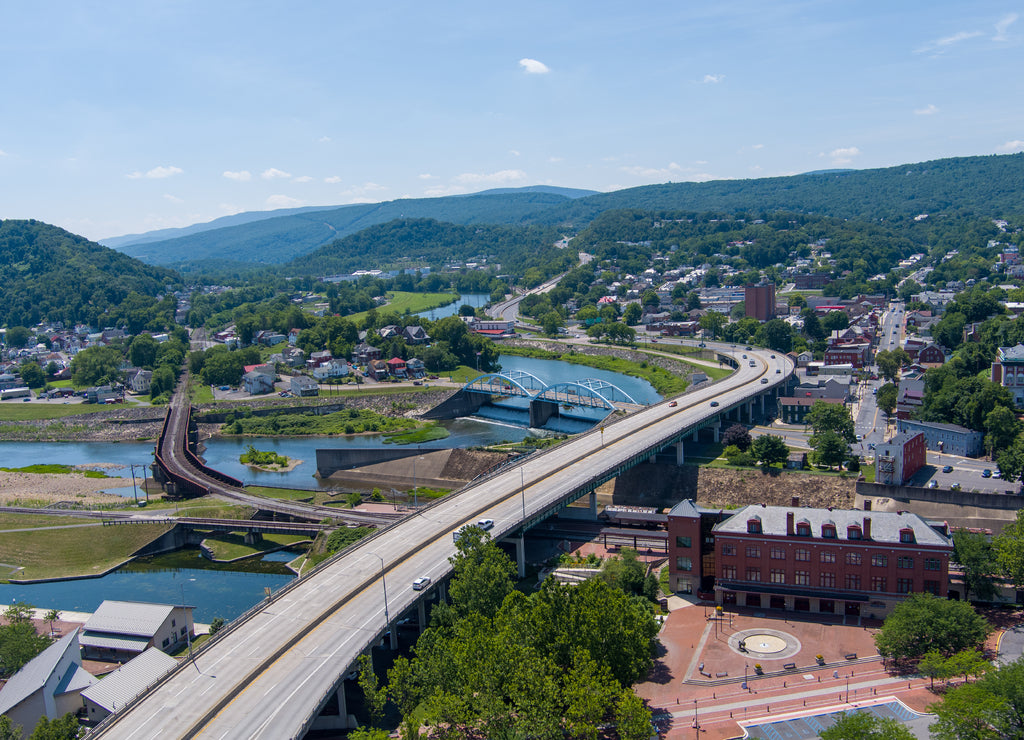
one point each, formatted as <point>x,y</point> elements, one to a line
<point>589,399</point>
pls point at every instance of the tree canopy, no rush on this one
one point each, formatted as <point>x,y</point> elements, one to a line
<point>923,622</point>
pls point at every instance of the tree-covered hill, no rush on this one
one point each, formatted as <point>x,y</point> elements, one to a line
<point>414,242</point>
<point>48,272</point>
<point>278,240</point>
<point>984,186</point>
<point>990,186</point>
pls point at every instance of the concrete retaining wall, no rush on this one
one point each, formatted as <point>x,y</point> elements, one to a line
<point>332,460</point>
<point>459,405</point>
<point>941,496</point>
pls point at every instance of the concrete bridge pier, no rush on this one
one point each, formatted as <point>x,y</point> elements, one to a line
<point>252,538</point>
<point>393,635</point>
<point>593,500</point>
<point>716,429</point>
<point>520,543</point>
<point>334,714</point>
<point>761,398</point>
<point>421,614</point>
<point>680,455</point>
<point>750,412</point>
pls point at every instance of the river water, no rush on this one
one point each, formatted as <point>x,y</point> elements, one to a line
<point>476,300</point>
<point>223,590</point>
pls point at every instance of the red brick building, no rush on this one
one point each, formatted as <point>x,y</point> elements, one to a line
<point>816,561</point>
<point>759,301</point>
<point>858,354</point>
<point>897,460</point>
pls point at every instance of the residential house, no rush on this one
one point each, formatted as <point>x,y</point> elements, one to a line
<point>494,328</point>
<point>120,687</point>
<point>303,385</point>
<point>396,367</point>
<point>415,368</point>
<point>49,685</point>
<point>897,460</point>
<point>335,368</point>
<point>293,336</point>
<point>415,335</point>
<point>951,439</point>
<point>120,630</point>
<point>1008,371</point>
<point>794,410</point>
<point>932,355</point>
<point>140,380</point>
<point>378,370</point>
<point>258,379</point>
<point>365,353</point>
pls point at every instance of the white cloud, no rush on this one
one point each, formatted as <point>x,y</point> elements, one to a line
<point>713,79</point>
<point>513,152</point>
<point>157,173</point>
<point>1012,146</point>
<point>844,155</point>
<point>757,146</point>
<point>332,180</point>
<point>303,178</point>
<point>427,176</point>
<point>241,176</point>
<point>3,153</point>
<point>282,201</point>
<point>555,160</point>
<point>360,193</point>
<point>493,178</point>
<point>275,174</point>
<point>1002,24</point>
<point>940,45</point>
<point>649,172</point>
<point>533,67</point>
<point>324,140</point>
<point>173,198</point>
<point>928,110</point>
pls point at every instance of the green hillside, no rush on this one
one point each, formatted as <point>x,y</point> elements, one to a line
<point>416,242</point>
<point>984,186</point>
<point>278,240</point>
<point>48,272</point>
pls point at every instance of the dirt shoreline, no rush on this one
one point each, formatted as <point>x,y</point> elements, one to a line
<point>31,489</point>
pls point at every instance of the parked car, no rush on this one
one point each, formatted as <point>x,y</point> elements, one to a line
<point>947,468</point>
<point>933,484</point>
<point>997,473</point>
<point>986,473</point>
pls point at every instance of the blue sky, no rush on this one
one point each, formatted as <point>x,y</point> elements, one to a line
<point>121,117</point>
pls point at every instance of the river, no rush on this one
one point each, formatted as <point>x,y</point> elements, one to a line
<point>476,300</point>
<point>218,590</point>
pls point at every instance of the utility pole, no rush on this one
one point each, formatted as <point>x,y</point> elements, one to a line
<point>135,492</point>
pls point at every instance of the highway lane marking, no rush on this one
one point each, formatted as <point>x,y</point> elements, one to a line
<point>634,425</point>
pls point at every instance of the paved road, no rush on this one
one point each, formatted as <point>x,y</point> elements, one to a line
<point>269,673</point>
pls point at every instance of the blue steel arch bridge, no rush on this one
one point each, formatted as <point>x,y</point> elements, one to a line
<point>588,400</point>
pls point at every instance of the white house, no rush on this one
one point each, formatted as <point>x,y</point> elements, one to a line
<point>120,630</point>
<point>49,685</point>
<point>119,687</point>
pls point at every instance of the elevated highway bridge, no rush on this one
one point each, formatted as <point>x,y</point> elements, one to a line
<point>271,672</point>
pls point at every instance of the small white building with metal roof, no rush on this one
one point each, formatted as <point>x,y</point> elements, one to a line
<point>48,685</point>
<point>118,688</point>
<point>119,630</point>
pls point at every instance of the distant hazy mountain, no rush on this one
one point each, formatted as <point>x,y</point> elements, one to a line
<point>310,227</point>
<point>237,219</point>
<point>988,186</point>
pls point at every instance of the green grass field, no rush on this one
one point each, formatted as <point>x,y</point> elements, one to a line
<point>229,545</point>
<point>78,551</point>
<point>401,302</point>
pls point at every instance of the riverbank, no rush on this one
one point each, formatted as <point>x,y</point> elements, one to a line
<point>36,490</point>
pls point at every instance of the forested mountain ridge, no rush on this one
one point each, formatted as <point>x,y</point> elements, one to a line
<point>418,241</point>
<point>990,186</point>
<point>47,272</point>
<point>984,186</point>
<point>278,240</point>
